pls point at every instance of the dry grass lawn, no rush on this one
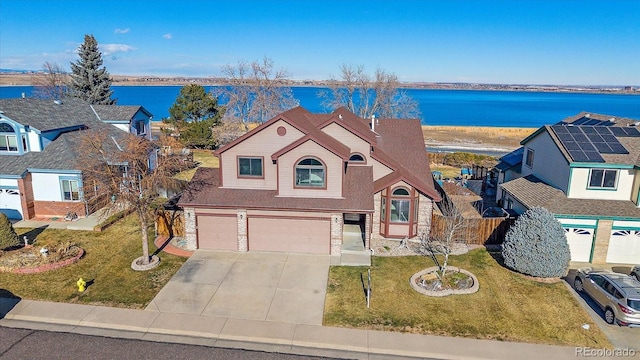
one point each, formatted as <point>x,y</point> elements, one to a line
<point>485,136</point>
<point>204,158</point>
<point>507,307</point>
<point>106,267</point>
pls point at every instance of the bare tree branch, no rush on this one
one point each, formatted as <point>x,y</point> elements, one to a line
<point>51,83</point>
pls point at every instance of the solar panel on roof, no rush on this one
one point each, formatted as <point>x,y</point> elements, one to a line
<point>603,147</point>
<point>578,155</point>
<point>586,146</point>
<point>589,130</point>
<point>559,129</point>
<point>593,156</point>
<point>618,131</point>
<point>580,137</point>
<point>632,132</point>
<point>571,145</point>
<point>603,130</point>
<point>574,129</point>
<point>565,137</point>
<point>609,139</point>
<point>618,148</point>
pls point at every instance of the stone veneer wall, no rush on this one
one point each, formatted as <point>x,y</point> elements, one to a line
<point>367,230</point>
<point>337,223</point>
<point>375,218</point>
<point>243,245</point>
<point>603,235</point>
<point>425,213</point>
<point>190,228</point>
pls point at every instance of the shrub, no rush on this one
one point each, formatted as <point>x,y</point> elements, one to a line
<point>8,236</point>
<point>536,245</point>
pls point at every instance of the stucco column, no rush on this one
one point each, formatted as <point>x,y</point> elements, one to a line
<point>190,231</point>
<point>243,244</point>
<point>603,235</point>
<point>336,234</point>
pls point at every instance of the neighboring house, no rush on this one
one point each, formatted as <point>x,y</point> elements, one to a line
<point>133,119</point>
<point>39,141</point>
<point>509,168</point>
<point>586,170</point>
<point>292,183</point>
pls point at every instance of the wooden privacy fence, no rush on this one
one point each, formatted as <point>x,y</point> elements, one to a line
<point>476,231</point>
<point>170,223</point>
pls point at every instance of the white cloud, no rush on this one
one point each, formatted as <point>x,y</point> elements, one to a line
<point>167,36</point>
<point>121,31</point>
<point>109,49</point>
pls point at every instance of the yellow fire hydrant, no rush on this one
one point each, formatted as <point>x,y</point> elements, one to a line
<point>81,285</point>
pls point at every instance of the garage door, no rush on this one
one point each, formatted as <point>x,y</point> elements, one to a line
<point>217,232</point>
<point>289,235</point>
<point>624,247</point>
<point>580,243</point>
<point>10,203</point>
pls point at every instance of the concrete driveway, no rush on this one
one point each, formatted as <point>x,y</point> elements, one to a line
<point>620,336</point>
<point>287,288</point>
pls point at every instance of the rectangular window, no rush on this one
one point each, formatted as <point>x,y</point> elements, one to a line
<point>601,178</point>
<point>529,159</point>
<point>383,210</point>
<point>399,210</point>
<point>8,143</point>
<point>70,190</point>
<point>250,167</point>
<point>140,129</point>
<point>24,143</point>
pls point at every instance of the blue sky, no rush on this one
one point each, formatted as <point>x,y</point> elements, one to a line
<point>578,42</point>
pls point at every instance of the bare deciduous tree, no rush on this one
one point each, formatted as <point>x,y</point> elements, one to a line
<point>123,172</point>
<point>365,95</point>
<point>445,239</point>
<point>256,92</point>
<point>51,83</point>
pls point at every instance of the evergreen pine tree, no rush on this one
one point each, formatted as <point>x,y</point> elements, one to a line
<point>8,236</point>
<point>91,81</point>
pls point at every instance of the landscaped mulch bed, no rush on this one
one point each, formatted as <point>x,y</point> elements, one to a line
<point>29,260</point>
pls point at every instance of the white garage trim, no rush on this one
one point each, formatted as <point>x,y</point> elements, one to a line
<point>624,246</point>
<point>217,232</point>
<point>580,243</point>
<point>310,235</point>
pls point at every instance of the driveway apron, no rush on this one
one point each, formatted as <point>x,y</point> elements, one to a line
<point>278,287</point>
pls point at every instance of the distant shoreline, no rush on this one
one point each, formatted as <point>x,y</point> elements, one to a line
<point>26,79</point>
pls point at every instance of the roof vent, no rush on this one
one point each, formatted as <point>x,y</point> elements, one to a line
<point>612,120</point>
<point>340,116</point>
<point>57,102</point>
<point>635,124</point>
<point>24,95</point>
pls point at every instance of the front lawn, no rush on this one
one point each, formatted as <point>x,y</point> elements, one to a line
<point>507,307</point>
<point>106,267</point>
<point>204,158</point>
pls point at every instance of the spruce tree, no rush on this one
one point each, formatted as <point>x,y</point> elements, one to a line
<point>8,236</point>
<point>91,81</point>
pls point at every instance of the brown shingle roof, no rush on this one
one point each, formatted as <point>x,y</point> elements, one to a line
<point>204,191</point>
<point>531,192</point>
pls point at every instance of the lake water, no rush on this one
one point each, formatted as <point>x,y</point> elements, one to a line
<point>438,107</point>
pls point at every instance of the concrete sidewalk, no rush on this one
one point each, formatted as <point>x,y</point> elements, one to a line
<point>269,336</point>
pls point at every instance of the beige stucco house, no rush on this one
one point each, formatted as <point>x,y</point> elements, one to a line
<point>586,170</point>
<point>292,183</point>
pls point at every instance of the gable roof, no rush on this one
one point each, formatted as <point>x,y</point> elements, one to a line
<point>118,113</point>
<point>584,148</point>
<point>530,191</point>
<point>512,160</point>
<point>61,153</point>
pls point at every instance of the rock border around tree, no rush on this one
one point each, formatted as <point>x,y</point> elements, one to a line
<point>137,264</point>
<point>440,293</point>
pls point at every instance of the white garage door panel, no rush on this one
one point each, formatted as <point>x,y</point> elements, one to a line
<point>10,203</point>
<point>289,235</point>
<point>580,242</point>
<point>217,233</point>
<point>624,247</point>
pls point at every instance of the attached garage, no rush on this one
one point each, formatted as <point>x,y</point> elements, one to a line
<point>217,232</point>
<point>624,247</point>
<point>580,243</point>
<point>296,235</point>
<point>10,203</point>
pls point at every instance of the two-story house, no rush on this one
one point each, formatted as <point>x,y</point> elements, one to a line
<point>293,182</point>
<point>586,170</point>
<point>39,142</point>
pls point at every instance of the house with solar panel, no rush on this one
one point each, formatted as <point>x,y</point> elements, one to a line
<point>586,170</point>
<point>39,143</point>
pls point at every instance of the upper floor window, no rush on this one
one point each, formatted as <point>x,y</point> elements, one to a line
<point>139,127</point>
<point>529,159</point>
<point>250,166</point>
<point>310,172</point>
<point>70,190</point>
<point>602,178</point>
<point>357,158</point>
<point>8,142</point>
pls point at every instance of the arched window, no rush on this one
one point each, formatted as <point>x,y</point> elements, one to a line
<point>310,172</point>
<point>8,142</point>
<point>358,158</point>
<point>400,205</point>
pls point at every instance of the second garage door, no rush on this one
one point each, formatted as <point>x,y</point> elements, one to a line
<point>217,232</point>
<point>580,243</point>
<point>310,236</point>
<point>624,247</point>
